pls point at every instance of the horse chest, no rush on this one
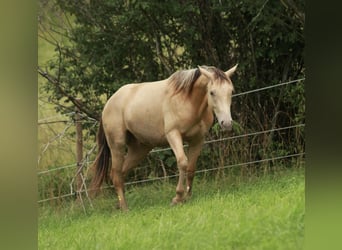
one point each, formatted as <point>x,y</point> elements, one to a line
<point>198,130</point>
<point>199,125</point>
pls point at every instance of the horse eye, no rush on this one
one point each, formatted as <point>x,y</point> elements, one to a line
<point>212,93</point>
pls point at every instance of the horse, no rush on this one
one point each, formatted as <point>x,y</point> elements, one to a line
<point>141,116</point>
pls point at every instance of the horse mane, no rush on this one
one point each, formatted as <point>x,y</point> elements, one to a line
<point>218,74</point>
<point>184,80</point>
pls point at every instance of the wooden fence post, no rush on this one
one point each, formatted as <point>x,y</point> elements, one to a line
<point>79,151</point>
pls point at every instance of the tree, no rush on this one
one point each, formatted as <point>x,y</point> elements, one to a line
<point>110,43</point>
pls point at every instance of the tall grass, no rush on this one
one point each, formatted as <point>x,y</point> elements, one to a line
<point>256,212</point>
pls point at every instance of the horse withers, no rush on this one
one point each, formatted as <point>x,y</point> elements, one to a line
<point>139,117</point>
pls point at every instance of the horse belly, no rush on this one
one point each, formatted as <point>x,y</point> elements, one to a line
<point>144,119</point>
<point>147,132</point>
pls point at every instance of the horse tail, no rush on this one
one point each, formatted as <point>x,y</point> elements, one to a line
<point>102,161</point>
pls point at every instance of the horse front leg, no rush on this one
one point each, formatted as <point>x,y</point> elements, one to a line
<point>176,143</point>
<point>195,147</point>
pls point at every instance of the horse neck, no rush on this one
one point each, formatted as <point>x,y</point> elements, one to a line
<point>199,97</point>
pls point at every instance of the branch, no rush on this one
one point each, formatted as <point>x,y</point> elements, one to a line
<point>61,121</point>
<point>258,14</point>
<point>291,5</point>
<point>73,99</point>
<point>159,51</point>
<point>161,56</point>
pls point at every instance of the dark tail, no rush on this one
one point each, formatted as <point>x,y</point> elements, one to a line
<point>102,161</point>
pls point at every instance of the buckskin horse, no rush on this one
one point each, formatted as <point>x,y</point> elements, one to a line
<point>139,117</point>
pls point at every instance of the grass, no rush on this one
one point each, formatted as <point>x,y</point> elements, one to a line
<point>265,212</point>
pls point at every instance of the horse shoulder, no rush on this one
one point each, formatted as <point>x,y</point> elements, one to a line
<point>208,119</point>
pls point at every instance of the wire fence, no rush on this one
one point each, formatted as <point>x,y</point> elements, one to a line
<point>86,160</point>
<point>47,119</point>
<point>176,175</point>
<point>269,87</point>
<point>205,143</point>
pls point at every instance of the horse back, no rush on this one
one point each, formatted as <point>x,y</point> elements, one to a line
<point>138,108</point>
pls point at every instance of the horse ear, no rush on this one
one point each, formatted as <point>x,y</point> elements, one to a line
<point>231,71</point>
<point>206,72</point>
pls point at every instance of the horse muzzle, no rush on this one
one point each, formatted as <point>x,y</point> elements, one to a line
<point>226,125</point>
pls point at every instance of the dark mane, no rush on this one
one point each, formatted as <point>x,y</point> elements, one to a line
<point>184,80</point>
<point>218,74</point>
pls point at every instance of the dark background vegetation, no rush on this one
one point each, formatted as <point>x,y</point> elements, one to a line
<point>110,43</point>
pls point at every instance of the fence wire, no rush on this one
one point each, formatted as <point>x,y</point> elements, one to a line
<point>176,175</point>
<point>86,161</point>
<point>268,87</point>
<point>205,143</point>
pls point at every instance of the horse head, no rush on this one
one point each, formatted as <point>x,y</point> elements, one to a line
<point>219,92</point>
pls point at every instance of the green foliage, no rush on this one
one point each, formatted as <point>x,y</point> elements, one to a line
<point>111,43</point>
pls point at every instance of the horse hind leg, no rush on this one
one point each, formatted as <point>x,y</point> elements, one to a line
<point>117,144</point>
<point>136,152</point>
<point>121,163</point>
<point>118,151</point>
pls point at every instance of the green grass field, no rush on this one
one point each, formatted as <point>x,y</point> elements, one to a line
<point>265,212</point>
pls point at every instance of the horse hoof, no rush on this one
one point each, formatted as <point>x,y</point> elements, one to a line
<point>176,202</point>
<point>173,204</point>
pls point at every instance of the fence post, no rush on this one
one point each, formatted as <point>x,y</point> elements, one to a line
<point>79,151</point>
